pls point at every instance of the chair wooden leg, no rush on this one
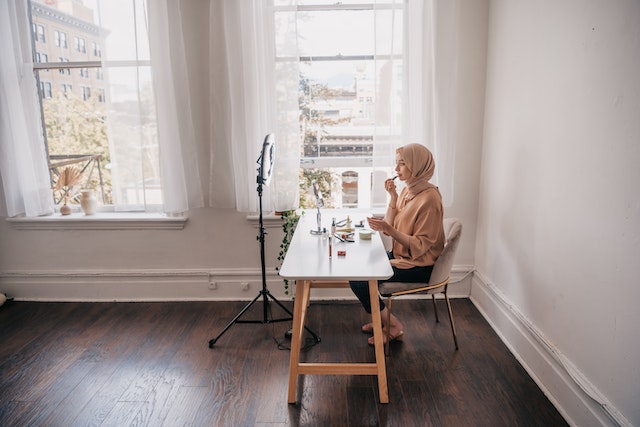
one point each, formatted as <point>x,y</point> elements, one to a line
<point>435,308</point>
<point>453,327</point>
<point>387,348</point>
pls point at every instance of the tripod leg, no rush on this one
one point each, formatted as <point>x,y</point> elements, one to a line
<point>313,334</point>
<point>226,328</point>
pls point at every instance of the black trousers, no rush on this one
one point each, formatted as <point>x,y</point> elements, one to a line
<point>413,275</point>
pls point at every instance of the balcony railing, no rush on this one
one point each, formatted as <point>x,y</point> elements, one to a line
<point>88,165</point>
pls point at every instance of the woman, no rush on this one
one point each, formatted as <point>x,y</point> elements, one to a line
<point>414,221</point>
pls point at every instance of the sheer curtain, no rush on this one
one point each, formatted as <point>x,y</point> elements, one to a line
<point>181,184</point>
<point>417,105</point>
<point>431,52</point>
<point>149,121</point>
<point>247,85</point>
<point>249,100</point>
<point>23,160</point>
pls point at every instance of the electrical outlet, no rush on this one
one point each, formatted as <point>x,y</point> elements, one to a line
<point>213,285</point>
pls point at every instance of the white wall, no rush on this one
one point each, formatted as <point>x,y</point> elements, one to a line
<point>216,244</point>
<point>559,212</point>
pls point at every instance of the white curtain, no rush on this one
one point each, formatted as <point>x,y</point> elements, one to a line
<point>418,105</point>
<point>247,105</point>
<point>431,72</point>
<point>181,185</point>
<point>23,160</point>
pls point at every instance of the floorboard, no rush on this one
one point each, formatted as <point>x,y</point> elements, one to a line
<point>149,364</point>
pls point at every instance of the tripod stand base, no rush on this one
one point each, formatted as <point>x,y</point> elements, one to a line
<point>266,295</point>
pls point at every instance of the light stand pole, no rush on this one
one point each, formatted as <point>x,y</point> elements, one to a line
<point>264,293</point>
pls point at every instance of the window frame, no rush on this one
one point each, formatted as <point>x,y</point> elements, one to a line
<point>361,165</point>
<point>88,90</point>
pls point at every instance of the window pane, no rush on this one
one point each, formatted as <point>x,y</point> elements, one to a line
<point>132,134</point>
<point>350,60</point>
<point>123,22</point>
<point>76,137</point>
<point>336,33</point>
<point>101,113</point>
<point>339,32</point>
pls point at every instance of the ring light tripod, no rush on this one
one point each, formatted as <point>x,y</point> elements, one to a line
<point>265,170</point>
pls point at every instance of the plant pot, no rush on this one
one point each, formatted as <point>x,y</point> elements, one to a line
<point>65,210</point>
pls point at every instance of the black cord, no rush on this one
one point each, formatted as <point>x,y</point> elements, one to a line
<point>309,342</point>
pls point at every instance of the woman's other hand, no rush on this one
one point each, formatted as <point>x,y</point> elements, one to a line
<point>379,224</point>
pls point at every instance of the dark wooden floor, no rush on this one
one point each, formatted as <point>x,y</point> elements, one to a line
<point>149,364</point>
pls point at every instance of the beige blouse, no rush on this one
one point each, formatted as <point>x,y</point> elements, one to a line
<point>421,218</point>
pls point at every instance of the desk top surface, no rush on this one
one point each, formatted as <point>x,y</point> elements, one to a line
<point>308,254</point>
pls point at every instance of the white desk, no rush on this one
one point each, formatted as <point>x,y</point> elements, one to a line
<point>308,263</point>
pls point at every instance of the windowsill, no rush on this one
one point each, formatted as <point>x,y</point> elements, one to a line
<point>100,221</point>
<point>269,220</point>
<point>272,220</point>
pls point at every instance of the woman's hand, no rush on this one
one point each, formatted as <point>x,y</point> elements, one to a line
<point>379,224</point>
<point>390,187</point>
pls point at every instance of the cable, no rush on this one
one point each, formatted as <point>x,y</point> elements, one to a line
<point>309,342</point>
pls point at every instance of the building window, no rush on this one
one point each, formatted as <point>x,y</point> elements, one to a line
<point>86,92</point>
<point>38,33</point>
<point>80,44</point>
<point>45,89</point>
<point>61,39</point>
<point>95,48</point>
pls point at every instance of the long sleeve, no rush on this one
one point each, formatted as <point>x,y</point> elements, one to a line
<point>421,219</point>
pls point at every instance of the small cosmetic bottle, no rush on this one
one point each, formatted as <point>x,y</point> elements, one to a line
<point>333,232</point>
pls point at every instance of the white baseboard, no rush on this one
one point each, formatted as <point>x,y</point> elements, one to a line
<point>169,285</point>
<point>139,285</point>
<point>579,402</point>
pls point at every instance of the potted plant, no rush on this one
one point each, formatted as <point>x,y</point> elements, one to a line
<point>69,177</point>
<point>289,222</point>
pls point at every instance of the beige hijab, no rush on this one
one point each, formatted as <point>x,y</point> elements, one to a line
<point>420,161</point>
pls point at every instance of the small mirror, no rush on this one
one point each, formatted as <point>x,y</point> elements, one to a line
<point>318,194</point>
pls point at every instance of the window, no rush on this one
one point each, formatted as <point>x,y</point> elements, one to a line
<point>95,48</point>
<point>61,39</point>
<point>45,90</point>
<point>350,62</point>
<point>100,118</point>
<point>86,92</point>
<point>80,45</point>
<point>38,33</point>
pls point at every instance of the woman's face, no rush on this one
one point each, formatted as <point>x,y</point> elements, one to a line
<point>403,171</point>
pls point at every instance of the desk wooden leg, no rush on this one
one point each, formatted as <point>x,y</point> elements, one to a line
<point>299,313</point>
<point>379,343</point>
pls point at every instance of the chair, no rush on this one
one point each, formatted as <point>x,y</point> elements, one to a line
<point>438,282</point>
